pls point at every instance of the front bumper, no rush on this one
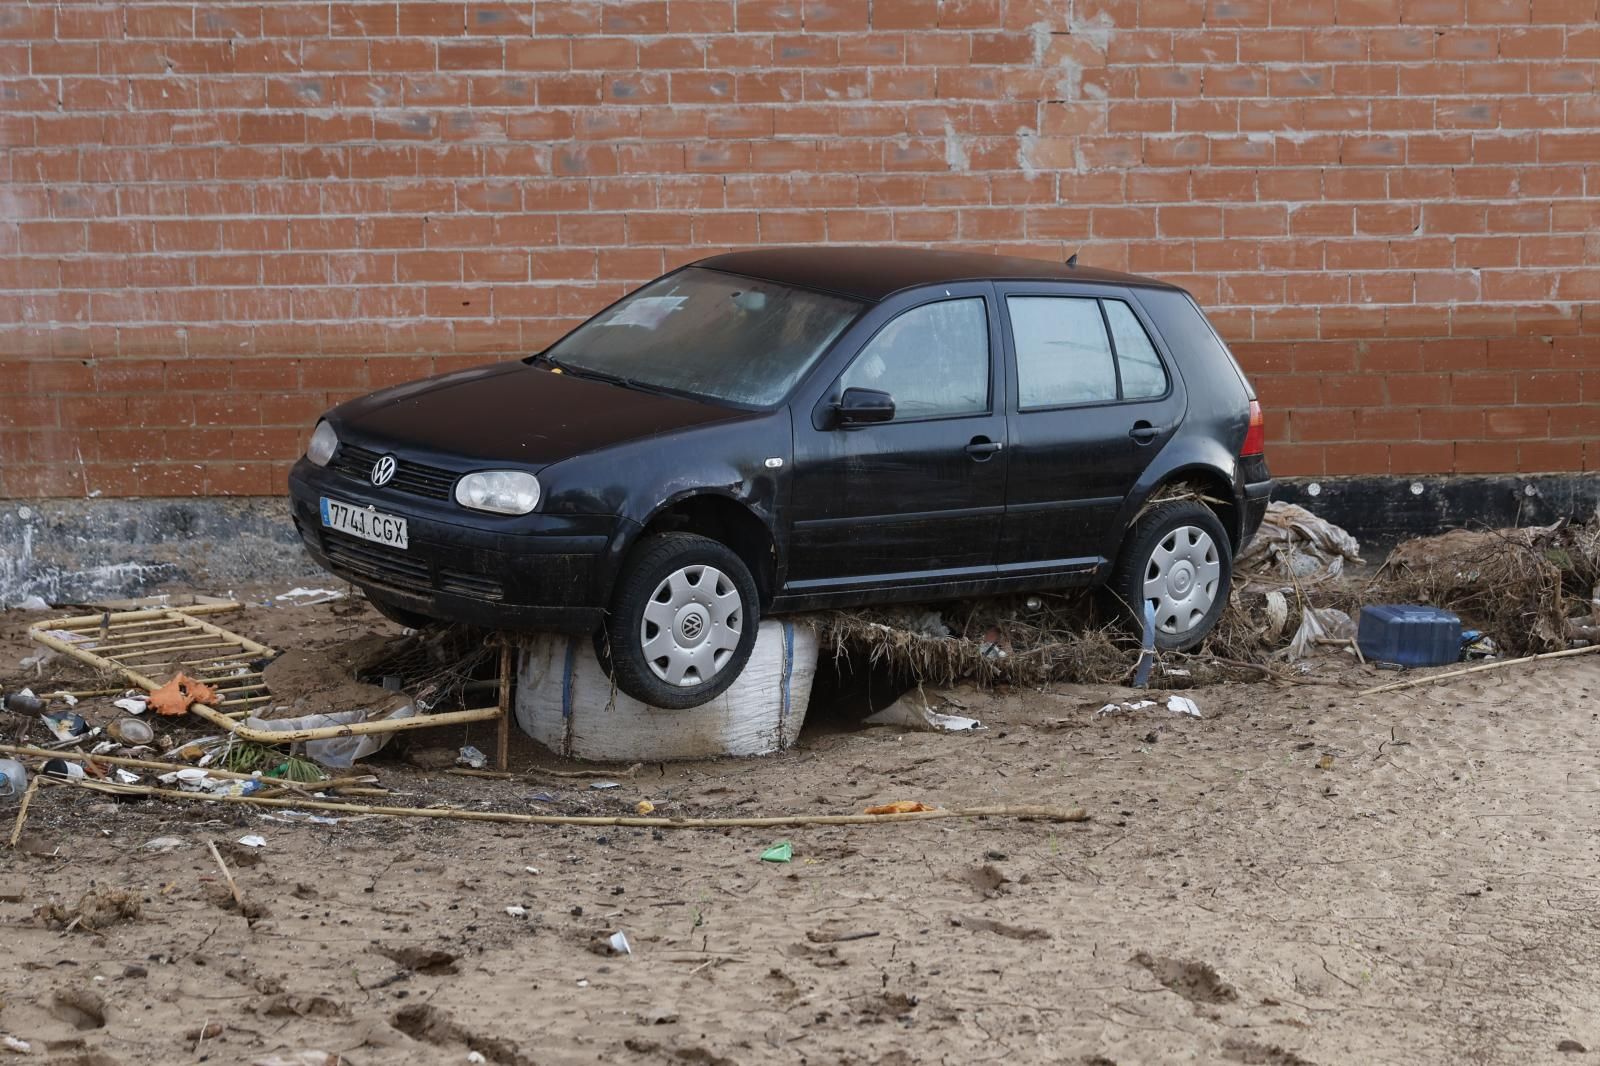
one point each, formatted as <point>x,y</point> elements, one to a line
<point>537,572</point>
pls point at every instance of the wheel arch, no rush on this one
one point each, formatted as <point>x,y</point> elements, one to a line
<point>728,521</point>
<point>1206,484</point>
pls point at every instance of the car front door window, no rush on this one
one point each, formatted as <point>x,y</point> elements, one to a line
<point>933,360</point>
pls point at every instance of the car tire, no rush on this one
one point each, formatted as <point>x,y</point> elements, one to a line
<point>1178,556</point>
<point>682,622</point>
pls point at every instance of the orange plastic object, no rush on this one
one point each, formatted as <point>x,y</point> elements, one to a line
<point>900,807</point>
<point>174,698</point>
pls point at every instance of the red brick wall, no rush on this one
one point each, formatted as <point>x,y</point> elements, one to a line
<point>217,219</point>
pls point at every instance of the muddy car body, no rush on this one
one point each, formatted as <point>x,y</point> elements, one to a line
<point>833,426</point>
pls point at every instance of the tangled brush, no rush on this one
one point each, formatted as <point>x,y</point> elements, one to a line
<point>1524,586</point>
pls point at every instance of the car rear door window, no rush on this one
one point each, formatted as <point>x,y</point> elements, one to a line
<point>1143,376</point>
<point>1063,354</point>
<point>933,360</point>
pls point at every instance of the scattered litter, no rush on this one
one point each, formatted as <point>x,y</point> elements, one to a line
<point>304,597</point>
<point>163,844</point>
<point>475,1057</point>
<point>605,785</point>
<point>131,731</point>
<point>253,840</point>
<point>132,704</point>
<point>1183,705</point>
<point>911,712</point>
<point>63,768</point>
<point>782,851</point>
<point>176,696</point>
<point>1293,543</point>
<point>644,807</point>
<point>66,725</point>
<point>472,758</point>
<point>619,943</point>
<point>23,701</point>
<point>1119,708</point>
<point>13,779</point>
<point>31,603</point>
<point>1325,763</point>
<point>21,1047</point>
<point>189,779</point>
<point>125,777</point>
<point>339,752</point>
<point>1317,624</point>
<point>534,870</point>
<point>65,697</point>
<point>1147,647</point>
<point>899,807</point>
<point>516,911</point>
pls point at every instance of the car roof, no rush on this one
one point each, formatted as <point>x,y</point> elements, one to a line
<point>874,273</point>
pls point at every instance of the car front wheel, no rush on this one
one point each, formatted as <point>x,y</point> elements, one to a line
<point>683,621</point>
<point>1177,558</point>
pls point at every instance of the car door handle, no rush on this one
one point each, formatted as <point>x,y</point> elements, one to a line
<point>1143,432</point>
<point>981,448</point>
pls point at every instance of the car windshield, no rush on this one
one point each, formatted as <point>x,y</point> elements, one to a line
<point>708,334</point>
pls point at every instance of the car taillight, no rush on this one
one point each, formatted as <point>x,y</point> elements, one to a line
<point>1255,438</point>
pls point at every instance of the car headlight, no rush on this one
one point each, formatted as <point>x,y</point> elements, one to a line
<point>501,491</point>
<point>324,441</point>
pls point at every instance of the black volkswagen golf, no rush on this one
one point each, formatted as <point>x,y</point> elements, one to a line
<point>788,429</point>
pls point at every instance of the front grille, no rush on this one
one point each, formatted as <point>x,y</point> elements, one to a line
<point>410,477</point>
<point>377,563</point>
<point>475,585</point>
<point>396,569</point>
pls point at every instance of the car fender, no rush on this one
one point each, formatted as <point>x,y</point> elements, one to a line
<point>1184,455</point>
<point>746,462</point>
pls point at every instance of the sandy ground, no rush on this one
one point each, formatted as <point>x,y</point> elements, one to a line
<point>1428,895</point>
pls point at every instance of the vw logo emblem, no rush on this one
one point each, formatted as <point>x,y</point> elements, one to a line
<point>383,471</point>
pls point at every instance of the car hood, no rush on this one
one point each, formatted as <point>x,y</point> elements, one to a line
<point>514,413</point>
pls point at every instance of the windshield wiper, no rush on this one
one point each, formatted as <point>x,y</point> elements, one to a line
<point>609,378</point>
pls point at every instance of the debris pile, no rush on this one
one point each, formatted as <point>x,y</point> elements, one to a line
<point>1296,594</point>
<point>1532,589</point>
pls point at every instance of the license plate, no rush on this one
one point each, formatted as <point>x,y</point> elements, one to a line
<point>364,522</point>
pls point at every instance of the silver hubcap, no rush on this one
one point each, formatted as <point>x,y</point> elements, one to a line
<point>691,625</point>
<point>1181,579</point>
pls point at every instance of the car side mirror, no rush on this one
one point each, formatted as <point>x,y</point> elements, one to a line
<point>860,407</point>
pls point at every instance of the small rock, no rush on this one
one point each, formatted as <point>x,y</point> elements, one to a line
<point>135,971</point>
<point>1572,1046</point>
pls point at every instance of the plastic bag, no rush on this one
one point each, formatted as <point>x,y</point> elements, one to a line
<point>338,752</point>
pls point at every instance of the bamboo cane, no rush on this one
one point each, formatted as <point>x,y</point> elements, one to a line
<point>388,725</point>
<point>162,656</point>
<point>233,886</point>
<point>81,620</point>
<point>1045,814</point>
<point>22,811</point>
<point>1430,679</point>
<point>174,637</point>
<point>502,744</point>
<point>267,736</point>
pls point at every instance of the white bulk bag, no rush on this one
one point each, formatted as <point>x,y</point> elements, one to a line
<point>566,701</point>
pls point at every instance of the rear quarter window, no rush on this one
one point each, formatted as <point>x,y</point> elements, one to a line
<point>1190,336</point>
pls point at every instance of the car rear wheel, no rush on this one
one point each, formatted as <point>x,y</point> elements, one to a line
<point>683,621</point>
<point>1176,558</point>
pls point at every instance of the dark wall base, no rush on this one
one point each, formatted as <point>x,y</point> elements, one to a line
<point>74,551</point>
<point>1382,511</point>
